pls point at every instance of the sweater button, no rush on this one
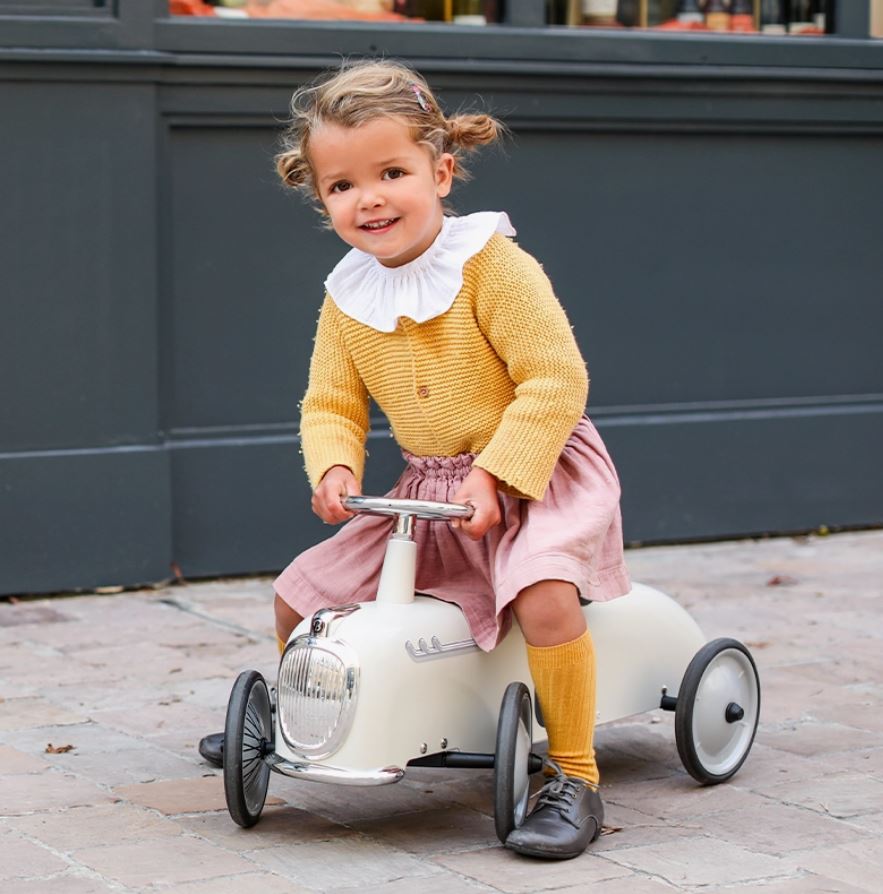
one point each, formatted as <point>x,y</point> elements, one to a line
<point>423,391</point>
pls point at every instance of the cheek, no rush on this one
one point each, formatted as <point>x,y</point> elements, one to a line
<point>336,206</point>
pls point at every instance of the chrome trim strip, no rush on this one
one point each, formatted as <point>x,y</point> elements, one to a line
<point>436,648</point>
<point>320,625</point>
<point>337,775</point>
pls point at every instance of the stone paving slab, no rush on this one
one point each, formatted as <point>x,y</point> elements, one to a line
<point>19,857</point>
<point>702,861</point>
<point>13,761</point>
<point>131,681</point>
<point>62,883</point>
<point>63,831</point>
<point>147,861</point>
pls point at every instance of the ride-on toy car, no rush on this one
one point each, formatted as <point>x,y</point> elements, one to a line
<point>365,691</point>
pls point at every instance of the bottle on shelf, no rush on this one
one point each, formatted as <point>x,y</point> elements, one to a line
<point>820,14</point>
<point>800,17</point>
<point>688,16</point>
<point>599,12</point>
<point>468,12</point>
<point>690,13</point>
<point>772,17</point>
<point>659,11</point>
<point>717,15</point>
<point>742,16</point>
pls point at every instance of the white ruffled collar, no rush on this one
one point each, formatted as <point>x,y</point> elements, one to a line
<point>421,289</point>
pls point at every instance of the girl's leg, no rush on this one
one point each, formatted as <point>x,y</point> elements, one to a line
<point>562,664</point>
<point>286,620</point>
<point>568,813</point>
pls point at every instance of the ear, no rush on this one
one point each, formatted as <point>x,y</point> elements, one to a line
<point>444,174</point>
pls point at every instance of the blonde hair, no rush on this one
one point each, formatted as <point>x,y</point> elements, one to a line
<point>362,91</point>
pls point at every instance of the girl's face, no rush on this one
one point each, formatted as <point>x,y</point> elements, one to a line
<point>382,190</point>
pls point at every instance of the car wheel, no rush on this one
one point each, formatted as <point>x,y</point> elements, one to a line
<point>248,737</point>
<point>717,710</point>
<point>511,760</point>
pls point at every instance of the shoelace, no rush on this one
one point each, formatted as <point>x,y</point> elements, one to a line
<point>560,793</point>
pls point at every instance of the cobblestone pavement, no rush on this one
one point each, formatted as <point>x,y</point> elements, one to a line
<point>105,696</point>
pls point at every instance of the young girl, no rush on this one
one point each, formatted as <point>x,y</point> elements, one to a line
<point>456,334</point>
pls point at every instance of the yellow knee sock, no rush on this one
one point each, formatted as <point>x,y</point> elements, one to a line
<point>281,643</point>
<point>564,677</point>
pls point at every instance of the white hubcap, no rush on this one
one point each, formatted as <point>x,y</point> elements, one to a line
<point>729,678</point>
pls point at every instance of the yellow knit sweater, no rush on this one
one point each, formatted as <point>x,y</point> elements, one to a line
<point>498,375</point>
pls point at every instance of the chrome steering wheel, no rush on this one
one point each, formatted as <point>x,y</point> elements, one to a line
<point>427,509</point>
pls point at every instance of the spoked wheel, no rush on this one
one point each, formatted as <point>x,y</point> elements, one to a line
<point>248,736</point>
<point>511,760</point>
<point>717,710</point>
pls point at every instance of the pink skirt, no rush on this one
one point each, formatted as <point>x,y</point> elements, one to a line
<point>573,534</point>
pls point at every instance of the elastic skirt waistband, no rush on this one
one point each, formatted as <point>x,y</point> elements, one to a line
<point>450,467</point>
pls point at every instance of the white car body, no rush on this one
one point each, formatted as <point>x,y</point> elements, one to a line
<point>422,685</point>
<point>365,690</point>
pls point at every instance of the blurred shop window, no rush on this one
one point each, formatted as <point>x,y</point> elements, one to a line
<point>803,18</point>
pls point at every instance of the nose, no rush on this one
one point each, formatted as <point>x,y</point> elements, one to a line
<point>371,198</point>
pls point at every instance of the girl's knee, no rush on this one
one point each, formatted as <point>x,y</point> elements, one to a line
<point>549,613</point>
<point>286,617</point>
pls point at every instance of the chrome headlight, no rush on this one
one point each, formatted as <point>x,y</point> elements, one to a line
<point>316,694</point>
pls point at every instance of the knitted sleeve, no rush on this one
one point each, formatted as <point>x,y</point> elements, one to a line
<point>334,413</point>
<point>520,316</point>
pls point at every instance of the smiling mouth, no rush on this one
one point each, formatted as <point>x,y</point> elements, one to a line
<point>379,226</point>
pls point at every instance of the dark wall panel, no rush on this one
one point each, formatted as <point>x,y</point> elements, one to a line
<point>78,339</point>
<point>82,519</point>
<point>714,475</point>
<point>242,290</point>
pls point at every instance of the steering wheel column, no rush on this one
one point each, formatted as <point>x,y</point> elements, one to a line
<point>399,572</point>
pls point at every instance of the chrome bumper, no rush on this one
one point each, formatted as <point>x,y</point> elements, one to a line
<point>322,773</point>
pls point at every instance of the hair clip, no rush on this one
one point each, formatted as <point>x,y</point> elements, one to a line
<point>420,98</point>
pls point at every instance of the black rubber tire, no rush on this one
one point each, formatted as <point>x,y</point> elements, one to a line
<point>248,735</point>
<point>511,786</point>
<point>688,693</point>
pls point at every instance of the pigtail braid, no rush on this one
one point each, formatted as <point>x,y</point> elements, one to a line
<point>468,131</point>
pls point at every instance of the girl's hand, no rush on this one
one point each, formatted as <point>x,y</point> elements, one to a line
<point>479,490</point>
<point>338,482</point>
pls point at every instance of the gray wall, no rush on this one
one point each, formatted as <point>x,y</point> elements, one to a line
<point>708,210</point>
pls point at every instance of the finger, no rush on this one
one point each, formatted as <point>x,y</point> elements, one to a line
<point>472,528</point>
<point>476,533</point>
<point>334,512</point>
<point>481,522</point>
<point>341,513</point>
<point>320,507</point>
<point>327,511</point>
<point>348,487</point>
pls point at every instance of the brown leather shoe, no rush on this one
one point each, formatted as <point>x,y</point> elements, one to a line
<point>566,820</point>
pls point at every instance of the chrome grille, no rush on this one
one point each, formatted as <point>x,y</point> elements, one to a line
<point>316,694</point>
